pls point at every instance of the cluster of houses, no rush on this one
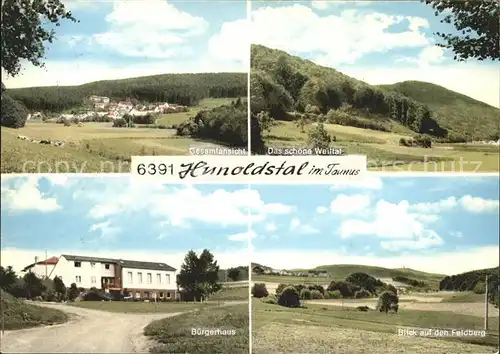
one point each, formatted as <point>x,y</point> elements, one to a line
<point>271,271</point>
<point>102,106</point>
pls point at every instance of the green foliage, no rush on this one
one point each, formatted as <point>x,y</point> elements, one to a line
<point>226,124</point>
<point>317,287</point>
<point>182,89</point>
<point>360,294</point>
<point>364,281</point>
<point>60,288</point>
<point>387,301</point>
<point>268,95</point>
<point>233,273</point>
<point>333,294</point>
<point>281,287</point>
<point>198,276</point>
<point>73,292</point>
<point>289,297</point>
<point>469,280</point>
<point>8,278</point>
<point>476,23</point>
<point>480,288</point>
<point>305,294</point>
<point>270,299</point>
<point>346,289</point>
<point>13,113</point>
<point>316,295</point>
<point>266,122</point>
<point>25,32</point>
<point>259,290</point>
<point>145,119</point>
<point>120,123</point>
<point>410,281</point>
<point>318,137</point>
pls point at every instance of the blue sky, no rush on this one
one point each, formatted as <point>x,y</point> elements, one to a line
<point>380,42</point>
<point>114,216</point>
<point>118,39</point>
<point>427,222</point>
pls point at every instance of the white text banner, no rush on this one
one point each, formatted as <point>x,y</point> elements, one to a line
<point>249,169</point>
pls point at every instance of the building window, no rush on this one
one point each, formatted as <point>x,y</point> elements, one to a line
<point>158,278</point>
<point>92,280</point>
<point>168,278</point>
<point>78,264</point>
<point>161,295</point>
<point>106,266</point>
<point>137,295</point>
<point>78,279</point>
<point>130,277</point>
<point>146,295</point>
<point>150,278</point>
<point>139,275</point>
<point>92,265</point>
<point>168,295</point>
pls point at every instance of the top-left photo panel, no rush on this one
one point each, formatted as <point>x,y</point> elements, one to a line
<point>87,85</point>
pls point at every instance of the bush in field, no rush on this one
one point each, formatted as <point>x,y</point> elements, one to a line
<point>316,295</point>
<point>289,297</point>
<point>345,288</point>
<point>360,294</point>
<point>146,119</point>
<point>73,292</point>
<point>259,290</point>
<point>480,288</point>
<point>318,137</point>
<point>282,287</point>
<point>363,308</point>
<point>423,141</point>
<point>119,123</point>
<point>299,287</point>
<point>408,142</point>
<point>317,287</point>
<point>305,294</point>
<point>13,113</point>
<point>333,294</point>
<point>387,301</point>
<point>270,299</point>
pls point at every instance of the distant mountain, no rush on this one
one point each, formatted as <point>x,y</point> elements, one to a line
<point>282,84</point>
<point>184,89</point>
<point>460,114</point>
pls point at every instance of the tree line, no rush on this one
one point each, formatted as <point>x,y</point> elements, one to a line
<point>474,281</point>
<point>182,89</point>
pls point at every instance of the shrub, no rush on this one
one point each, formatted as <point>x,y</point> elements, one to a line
<point>318,137</point>
<point>259,290</point>
<point>73,292</point>
<point>305,294</point>
<point>345,288</point>
<point>271,299</point>
<point>316,295</point>
<point>146,119</point>
<point>387,301</point>
<point>299,287</point>
<point>289,297</point>
<point>363,308</point>
<point>480,288</point>
<point>119,123</point>
<point>13,113</point>
<point>360,294</point>
<point>334,294</point>
<point>406,142</point>
<point>282,287</point>
<point>317,287</point>
<point>423,141</point>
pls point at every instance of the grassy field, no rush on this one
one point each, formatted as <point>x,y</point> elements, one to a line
<point>384,152</point>
<point>326,329</point>
<point>17,314</point>
<point>174,335</point>
<point>231,293</point>
<point>177,118</point>
<point>140,307</point>
<point>93,147</point>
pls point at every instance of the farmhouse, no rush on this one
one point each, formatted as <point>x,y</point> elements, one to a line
<point>42,269</point>
<point>144,280</point>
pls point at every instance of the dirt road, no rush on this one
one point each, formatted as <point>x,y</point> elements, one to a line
<point>88,331</point>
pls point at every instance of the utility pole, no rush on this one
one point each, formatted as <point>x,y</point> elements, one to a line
<point>486,305</point>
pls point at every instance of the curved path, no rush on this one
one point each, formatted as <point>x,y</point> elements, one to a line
<point>88,331</point>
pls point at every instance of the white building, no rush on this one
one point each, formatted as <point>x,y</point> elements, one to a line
<point>140,279</point>
<point>42,269</point>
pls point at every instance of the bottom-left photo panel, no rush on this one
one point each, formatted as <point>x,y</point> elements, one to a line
<point>107,264</point>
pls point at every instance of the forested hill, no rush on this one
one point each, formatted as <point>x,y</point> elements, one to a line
<point>183,89</point>
<point>282,83</point>
<point>469,280</point>
<point>460,114</point>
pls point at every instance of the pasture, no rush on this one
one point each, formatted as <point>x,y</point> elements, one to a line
<point>322,328</point>
<point>140,306</point>
<point>384,152</point>
<point>93,147</point>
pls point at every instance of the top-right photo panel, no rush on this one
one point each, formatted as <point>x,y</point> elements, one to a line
<point>414,86</point>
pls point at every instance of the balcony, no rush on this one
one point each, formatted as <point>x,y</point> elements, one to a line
<point>111,286</point>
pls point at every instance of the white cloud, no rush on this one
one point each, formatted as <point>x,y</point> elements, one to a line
<point>467,202</point>
<point>232,43</point>
<point>395,222</point>
<point>350,204</point>
<point>438,262</point>
<point>321,209</point>
<point>243,236</point>
<point>351,34</point>
<point>19,258</point>
<point>150,28</point>
<point>297,226</point>
<point>25,195</point>
<point>57,179</point>
<point>369,182</point>
<point>181,204</point>
<point>271,227</point>
<point>106,229</point>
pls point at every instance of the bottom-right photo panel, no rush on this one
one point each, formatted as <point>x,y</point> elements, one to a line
<point>386,265</point>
